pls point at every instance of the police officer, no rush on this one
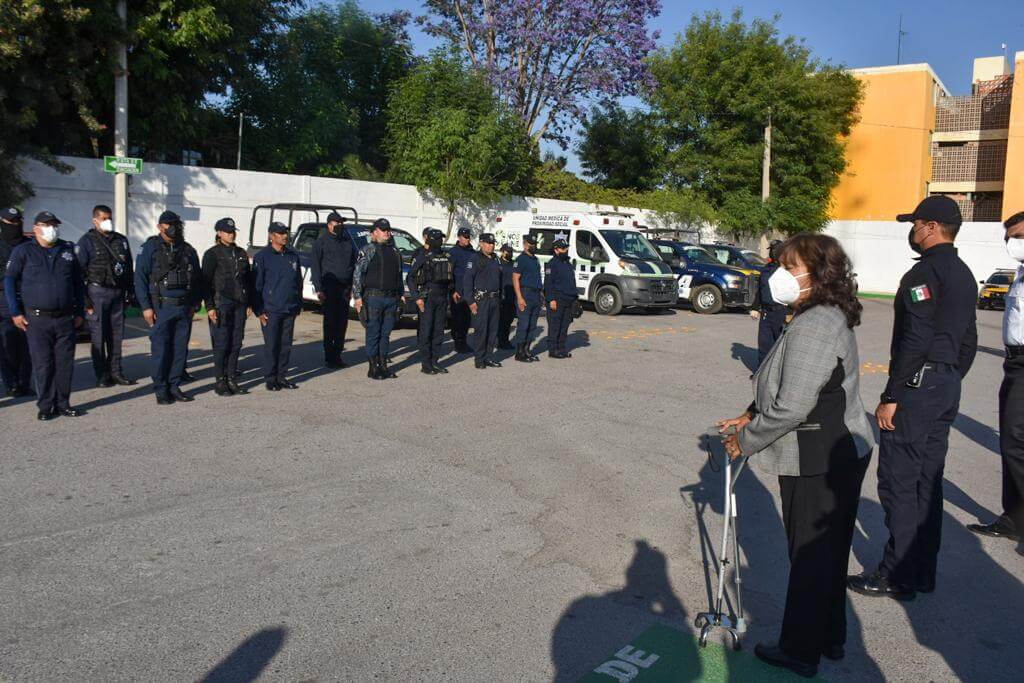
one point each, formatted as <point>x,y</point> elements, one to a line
<point>527,285</point>
<point>934,341</point>
<point>168,288</point>
<point>430,284</point>
<point>771,316</point>
<point>15,362</point>
<point>106,260</point>
<point>1010,524</point>
<point>461,254</point>
<point>332,263</point>
<point>419,251</point>
<point>560,294</point>
<point>277,297</point>
<point>44,289</point>
<point>507,310</point>
<point>481,287</point>
<point>378,286</point>
<point>227,287</point>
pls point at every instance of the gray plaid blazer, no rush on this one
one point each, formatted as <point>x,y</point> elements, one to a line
<point>813,348</point>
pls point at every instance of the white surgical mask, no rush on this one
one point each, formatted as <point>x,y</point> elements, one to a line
<point>785,287</point>
<point>1015,248</point>
<point>106,225</point>
<point>50,233</point>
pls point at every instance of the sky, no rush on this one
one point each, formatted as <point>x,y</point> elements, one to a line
<point>948,34</point>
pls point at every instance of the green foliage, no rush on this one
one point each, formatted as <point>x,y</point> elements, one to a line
<point>622,149</point>
<point>450,137</point>
<point>716,87</point>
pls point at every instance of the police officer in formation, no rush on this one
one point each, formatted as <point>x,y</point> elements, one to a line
<point>45,294</point>
<point>481,287</point>
<point>228,286</point>
<point>169,289</point>
<point>560,294</point>
<point>378,286</point>
<point>277,297</point>
<point>332,263</point>
<point>430,284</point>
<point>106,261</point>
<point>15,362</point>
<point>771,316</point>
<point>461,254</point>
<point>507,311</point>
<point>526,283</point>
<point>934,342</point>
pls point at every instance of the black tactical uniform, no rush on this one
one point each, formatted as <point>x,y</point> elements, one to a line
<point>107,263</point>
<point>227,279</point>
<point>430,281</point>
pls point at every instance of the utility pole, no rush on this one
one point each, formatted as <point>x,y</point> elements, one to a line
<point>238,163</point>
<point>899,40</point>
<point>121,123</point>
<point>766,165</point>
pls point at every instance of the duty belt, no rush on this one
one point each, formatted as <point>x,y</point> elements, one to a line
<point>172,300</point>
<point>1014,351</point>
<point>42,313</point>
<point>382,292</point>
<point>479,295</point>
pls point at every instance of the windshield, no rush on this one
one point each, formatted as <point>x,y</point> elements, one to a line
<point>754,258</point>
<point>699,255</point>
<point>629,244</point>
<point>1000,279</point>
<point>405,242</point>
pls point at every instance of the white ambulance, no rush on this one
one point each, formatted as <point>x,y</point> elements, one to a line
<point>616,266</point>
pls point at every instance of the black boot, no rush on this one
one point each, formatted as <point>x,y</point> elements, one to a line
<point>385,371</point>
<point>530,355</point>
<point>373,372</point>
<point>521,354</point>
<point>221,388</point>
<point>119,378</point>
<point>234,386</point>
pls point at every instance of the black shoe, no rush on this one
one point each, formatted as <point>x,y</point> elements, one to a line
<point>492,363</point>
<point>372,371</point>
<point>71,412</point>
<point>557,354</point>
<point>179,395</point>
<point>428,370</point>
<point>287,384</point>
<point>221,388</point>
<point>385,371</point>
<point>119,378</point>
<point>878,585</point>
<point>531,356</point>
<point>774,656</point>
<point>45,415</point>
<point>521,354</point>
<point>566,354</point>
<point>480,365</point>
<point>273,386</point>
<point>105,381</point>
<point>185,377</point>
<point>997,529</point>
<point>235,387</point>
<point>164,399</point>
<point>439,370</point>
<point>834,652</point>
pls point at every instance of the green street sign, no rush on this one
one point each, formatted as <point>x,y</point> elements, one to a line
<point>122,165</point>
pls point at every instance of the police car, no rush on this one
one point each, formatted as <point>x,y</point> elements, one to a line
<point>737,257</point>
<point>706,283</point>
<point>994,289</point>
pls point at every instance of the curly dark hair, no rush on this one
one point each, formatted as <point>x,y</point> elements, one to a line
<point>831,274</point>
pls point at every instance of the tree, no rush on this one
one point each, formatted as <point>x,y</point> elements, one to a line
<point>546,59</point>
<point>449,136</point>
<point>717,86</point>
<point>316,102</point>
<point>622,149</point>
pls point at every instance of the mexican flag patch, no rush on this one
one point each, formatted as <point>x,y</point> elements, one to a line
<point>920,293</point>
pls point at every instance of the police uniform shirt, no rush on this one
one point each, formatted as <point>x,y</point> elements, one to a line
<point>420,261</point>
<point>559,280</point>
<point>483,274</point>
<point>278,281</point>
<point>332,260</point>
<point>118,245</point>
<point>528,268</point>
<point>1013,315</point>
<point>461,257</point>
<point>226,274</point>
<point>45,279</point>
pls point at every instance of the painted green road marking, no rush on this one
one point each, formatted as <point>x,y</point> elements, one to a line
<point>664,655</point>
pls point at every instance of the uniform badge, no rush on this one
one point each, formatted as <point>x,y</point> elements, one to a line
<point>920,293</point>
<point>469,266</point>
<point>67,256</point>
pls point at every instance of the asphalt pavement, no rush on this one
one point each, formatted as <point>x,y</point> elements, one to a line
<point>514,524</point>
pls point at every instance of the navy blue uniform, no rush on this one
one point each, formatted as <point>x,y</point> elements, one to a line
<point>528,268</point>
<point>106,260</point>
<point>481,284</point>
<point>45,285</point>
<point>430,280</point>
<point>15,361</point>
<point>227,287</point>
<point>933,346</point>
<point>507,312</point>
<point>332,263</point>
<point>560,287</point>
<point>773,315</point>
<point>278,295</point>
<point>167,281</point>
<point>460,257</point>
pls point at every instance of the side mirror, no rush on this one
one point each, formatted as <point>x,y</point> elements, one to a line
<point>981,282</point>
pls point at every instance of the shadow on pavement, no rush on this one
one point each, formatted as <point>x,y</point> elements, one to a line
<point>745,354</point>
<point>249,659</point>
<point>979,433</point>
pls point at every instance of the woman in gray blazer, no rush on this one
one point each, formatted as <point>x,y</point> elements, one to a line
<point>807,425</point>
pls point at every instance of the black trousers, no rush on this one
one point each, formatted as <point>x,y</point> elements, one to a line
<point>277,345</point>
<point>769,329</point>
<point>106,329</point>
<point>485,328</point>
<point>226,337</point>
<point>506,314</point>
<point>431,328</point>
<point>819,514</point>
<point>1011,440</point>
<point>335,306</point>
<point>51,341</point>
<point>460,320</point>
<point>15,361</point>
<point>911,460</point>
<point>558,325</point>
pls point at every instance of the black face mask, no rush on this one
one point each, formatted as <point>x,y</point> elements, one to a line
<point>434,244</point>
<point>175,232</point>
<point>564,256</point>
<point>914,245</point>
<point>10,232</point>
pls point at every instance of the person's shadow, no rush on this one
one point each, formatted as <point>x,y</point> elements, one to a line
<point>746,355</point>
<point>249,659</point>
<point>595,626</point>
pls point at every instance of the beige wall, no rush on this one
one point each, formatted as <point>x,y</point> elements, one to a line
<point>1013,187</point>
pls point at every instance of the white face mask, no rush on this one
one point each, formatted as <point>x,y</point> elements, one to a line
<point>106,225</point>
<point>785,287</point>
<point>49,233</point>
<point>1015,248</point>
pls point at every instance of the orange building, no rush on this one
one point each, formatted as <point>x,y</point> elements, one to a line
<point>915,139</point>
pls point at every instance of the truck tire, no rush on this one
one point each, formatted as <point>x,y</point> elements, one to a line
<point>707,299</point>
<point>607,300</point>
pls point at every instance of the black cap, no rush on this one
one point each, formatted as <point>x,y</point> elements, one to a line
<point>532,239</point>
<point>427,230</point>
<point>434,234</point>
<point>335,216</point>
<point>560,244</point>
<point>939,208</point>
<point>278,227</point>
<point>46,217</point>
<point>11,214</point>
<point>487,238</point>
<point>169,217</point>
<point>465,232</point>
<point>225,225</point>
<point>381,224</point>
<point>506,247</point>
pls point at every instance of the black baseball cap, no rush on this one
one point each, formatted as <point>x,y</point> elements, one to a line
<point>434,234</point>
<point>939,208</point>
<point>381,224</point>
<point>532,239</point>
<point>335,216</point>
<point>426,230</point>
<point>46,217</point>
<point>465,232</point>
<point>225,225</point>
<point>560,244</point>
<point>278,227</point>
<point>488,238</point>
<point>11,214</point>
<point>169,217</point>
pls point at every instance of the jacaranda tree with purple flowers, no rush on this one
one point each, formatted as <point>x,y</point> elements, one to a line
<point>549,60</point>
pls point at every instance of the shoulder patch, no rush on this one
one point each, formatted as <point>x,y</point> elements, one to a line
<point>920,294</point>
<point>469,265</point>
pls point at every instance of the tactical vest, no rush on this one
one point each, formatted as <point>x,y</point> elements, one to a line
<point>172,270</point>
<point>384,271</point>
<point>108,265</point>
<point>435,270</point>
<point>231,280</point>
